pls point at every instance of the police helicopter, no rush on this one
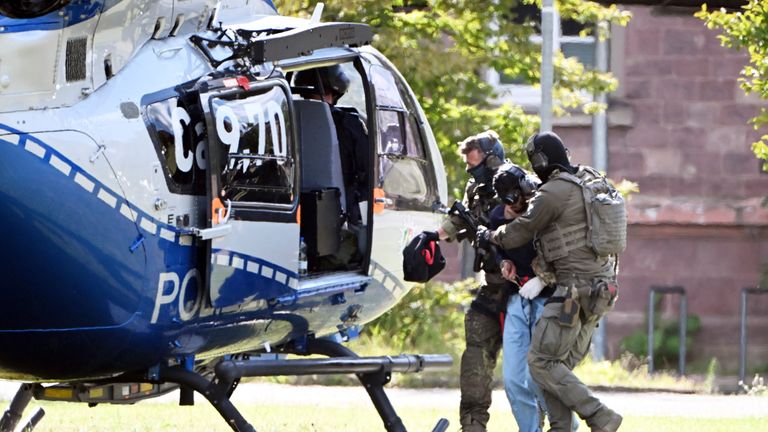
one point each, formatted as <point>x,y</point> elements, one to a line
<point>176,203</point>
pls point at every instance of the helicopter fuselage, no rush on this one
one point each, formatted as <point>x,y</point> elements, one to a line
<point>115,256</point>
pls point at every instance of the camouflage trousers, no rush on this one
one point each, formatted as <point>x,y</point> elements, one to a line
<point>556,349</point>
<point>483,343</point>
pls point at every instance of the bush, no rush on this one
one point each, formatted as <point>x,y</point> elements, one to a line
<point>666,338</point>
<point>428,320</point>
<point>430,317</point>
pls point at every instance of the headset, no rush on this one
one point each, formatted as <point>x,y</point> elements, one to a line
<point>511,182</point>
<point>536,155</point>
<point>491,146</point>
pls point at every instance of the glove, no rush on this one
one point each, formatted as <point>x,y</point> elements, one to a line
<point>430,235</point>
<point>483,238</point>
<point>531,289</point>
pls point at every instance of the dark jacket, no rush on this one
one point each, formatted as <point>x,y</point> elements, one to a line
<point>354,153</point>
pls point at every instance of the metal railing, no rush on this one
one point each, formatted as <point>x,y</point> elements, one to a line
<point>683,318</point>
<point>745,292</point>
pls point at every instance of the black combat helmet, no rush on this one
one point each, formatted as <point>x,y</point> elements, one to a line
<point>328,79</point>
<point>512,182</point>
<point>546,152</point>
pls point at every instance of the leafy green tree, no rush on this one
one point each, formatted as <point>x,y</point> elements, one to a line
<point>441,47</point>
<point>747,29</point>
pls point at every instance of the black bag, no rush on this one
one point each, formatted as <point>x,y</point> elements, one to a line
<point>422,258</point>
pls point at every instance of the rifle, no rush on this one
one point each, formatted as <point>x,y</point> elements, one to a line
<point>481,254</point>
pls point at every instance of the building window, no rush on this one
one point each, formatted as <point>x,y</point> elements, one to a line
<point>515,90</point>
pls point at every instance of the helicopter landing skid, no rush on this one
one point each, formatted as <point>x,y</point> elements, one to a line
<point>373,373</point>
<point>13,414</point>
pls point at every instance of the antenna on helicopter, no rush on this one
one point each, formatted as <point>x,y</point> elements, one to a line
<point>317,13</point>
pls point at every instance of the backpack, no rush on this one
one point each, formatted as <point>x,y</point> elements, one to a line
<point>606,213</point>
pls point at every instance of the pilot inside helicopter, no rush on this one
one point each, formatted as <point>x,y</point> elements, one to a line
<point>329,84</point>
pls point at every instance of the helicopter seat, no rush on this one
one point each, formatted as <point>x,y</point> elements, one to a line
<point>322,182</point>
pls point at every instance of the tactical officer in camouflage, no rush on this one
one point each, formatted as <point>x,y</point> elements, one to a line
<point>483,154</point>
<point>585,284</point>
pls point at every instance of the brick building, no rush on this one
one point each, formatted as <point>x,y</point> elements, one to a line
<point>685,139</point>
<point>678,127</point>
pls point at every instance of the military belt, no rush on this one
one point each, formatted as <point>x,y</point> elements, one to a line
<point>580,292</point>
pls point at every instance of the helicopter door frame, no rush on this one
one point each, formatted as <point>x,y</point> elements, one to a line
<point>330,57</point>
<point>371,122</point>
<point>252,187</point>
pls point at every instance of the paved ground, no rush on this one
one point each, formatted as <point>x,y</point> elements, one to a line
<point>637,404</point>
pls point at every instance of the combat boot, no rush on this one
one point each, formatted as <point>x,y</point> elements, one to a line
<point>468,424</point>
<point>474,427</point>
<point>611,424</point>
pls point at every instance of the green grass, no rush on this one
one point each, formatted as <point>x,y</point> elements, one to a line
<point>354,416</point>
<point>628,372</point>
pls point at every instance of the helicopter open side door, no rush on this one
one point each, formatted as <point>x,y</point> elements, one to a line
<point>252,188</point>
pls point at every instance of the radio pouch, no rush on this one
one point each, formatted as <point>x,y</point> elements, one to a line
<point>569,315</point>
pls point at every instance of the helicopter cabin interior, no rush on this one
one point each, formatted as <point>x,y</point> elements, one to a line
<point>329,105</point>
<point>271,133</point>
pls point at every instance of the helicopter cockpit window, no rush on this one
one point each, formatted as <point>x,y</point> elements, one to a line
<point>254,128</point>
<point>398,127</point>
<point>402,163</point>
<point>355,95</point>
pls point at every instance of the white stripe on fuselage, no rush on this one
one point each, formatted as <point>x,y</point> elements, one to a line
<point>35,149</point>
<point>60,165</point>
<point>84,182</point>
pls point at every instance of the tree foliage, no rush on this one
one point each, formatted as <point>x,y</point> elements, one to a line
<point>747,29</point>
<point>442,46</point>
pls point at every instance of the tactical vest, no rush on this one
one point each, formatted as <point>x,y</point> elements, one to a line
<point>604,229</point>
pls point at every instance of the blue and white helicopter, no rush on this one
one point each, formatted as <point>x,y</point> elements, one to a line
<point>172,202</point>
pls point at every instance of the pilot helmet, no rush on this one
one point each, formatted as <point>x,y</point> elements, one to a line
<point>331,79</point>
<point>512,182</point>
<point>546,152</point>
